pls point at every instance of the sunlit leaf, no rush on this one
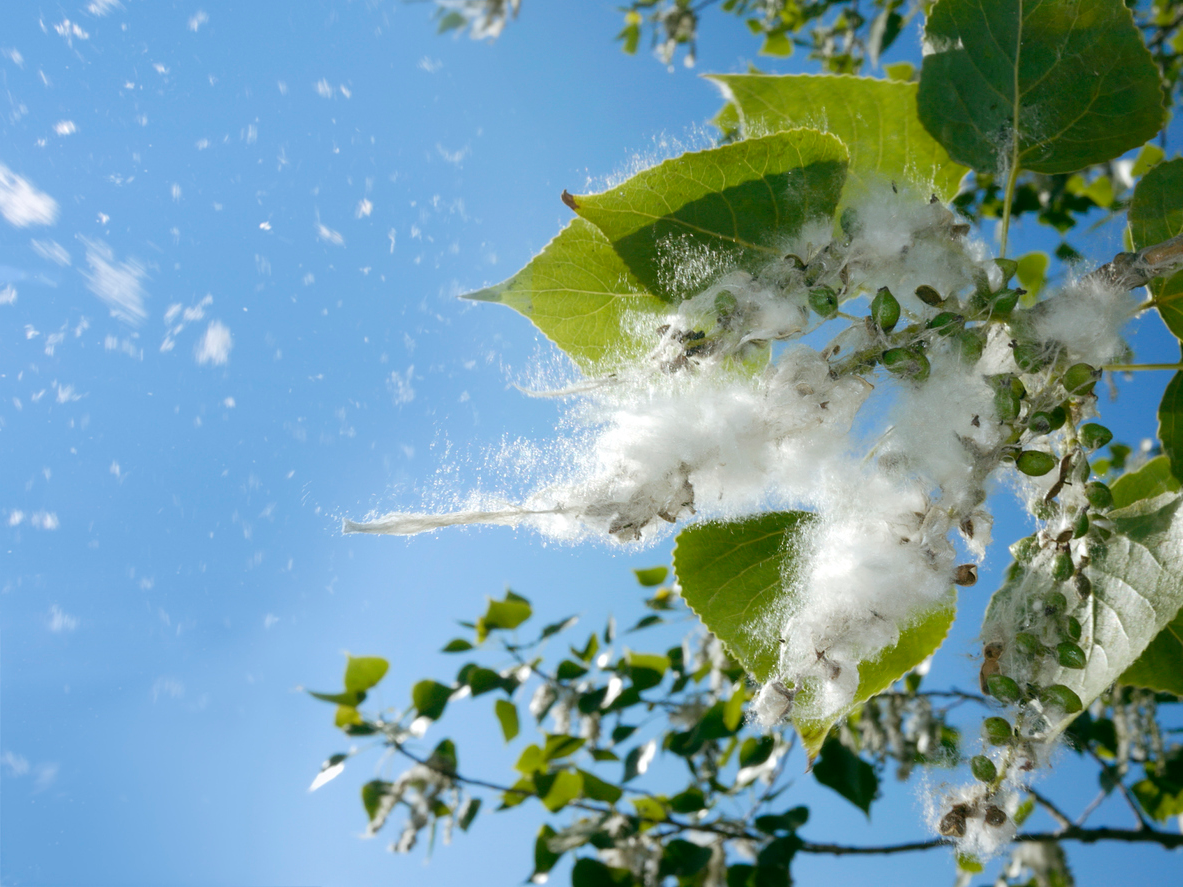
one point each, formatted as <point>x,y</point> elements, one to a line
<point>875,119</point>
<point>329,770</point>
<point>1152,479</point>
<point>1137,589</point>
<point>1170,424</point>
<point>651,576</point>
<point>507,716</point>
<point>1051,87</point>
<point>363,672</point>
<point>582,296</point>
<point>682,221</point>
<point>430,698</point>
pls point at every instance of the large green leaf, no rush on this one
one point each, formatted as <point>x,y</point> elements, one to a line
<point>735,577</point>
<point>1046,85</point>
<point>1137,589</point>
<point>917,642</point>
<point>1155,215</point>
<point>679,223</point>
<point>876,119</point>
<point>363,672</point>
<point>582,297</point>
<point>1170,424</point>
<point>1152,479</point>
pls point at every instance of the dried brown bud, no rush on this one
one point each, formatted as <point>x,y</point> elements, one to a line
<point>966,574</point>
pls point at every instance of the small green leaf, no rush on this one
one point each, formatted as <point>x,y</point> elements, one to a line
<point>482,680</point>
<point>876,120</point>
<point>846,773</point>
<point>505,614</point>
<point>544,857</point>
<point>652,576</point>
<point>457,645</point>
<point>789,821</point>
<point>756,750</point>
<point>733,713</point>
<point>561,745</point>
<point>1049,87</point>
<point>443,756</point>
<point>347,698</point>
<point>557,790</point>
<point>1161,792</point>
<point>652,809</point>
<point>690,801</point>
<point>1032,271</point>
<point>596,789</point>
<point>736,204</point>
<point>467,812</point>
<point>363,672</point>
<point>430,698</point>
<point>683,859</point>
<point>588,872</point>
<point>347,716</point>
<point>530,761</point>
<point>372,794</point>
<point>569,671</point>
<point>507,716</point>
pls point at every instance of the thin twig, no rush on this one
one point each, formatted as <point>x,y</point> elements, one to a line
<point>1056,813</point>
<point>1115,777</point>
<point>1092,806</point>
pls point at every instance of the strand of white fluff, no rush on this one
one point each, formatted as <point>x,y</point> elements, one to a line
<point>411,524</point>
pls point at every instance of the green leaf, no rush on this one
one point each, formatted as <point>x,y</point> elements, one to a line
<point>1161,792</point>
<point>443,756</point>
<point>507,715</point>
<point>596,789</point>
<point>557,790</point>
<point>350,699</point>
<point>1155,215</point>
<point>683,859</point>
<point>690,801</point>
<point>756,750</point>
<point>876,120</point>
<point>363,672</point>
<point>652,576</point>
<point>588,872</point>
<point>561,745</point>
<point>347,716</point>
<point>457,645</point>
<point>733,712</point>
<point>372,794</point>
<point>544,857</point>
<point>1032,273</point>
<point>467,812</point>
<point>1050,87</point>
<point>1137,590</point>
<point>451,21</point>
<point>1170,424</point>
<point>1152,479</point>
<point>430,698</point>
<point>581,296</point>
<point>846,773</point>
<point>733,577</point>
<point>482,680</point>
<point>505,614</point>
<point>728,206</point>
<point>329,770</point>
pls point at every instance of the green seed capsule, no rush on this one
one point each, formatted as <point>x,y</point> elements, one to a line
<point>1061,697</point>
<point>928,295</point>
<point>997,731</point>
<point>824,301</point>
<point>1080,378</point>
<point>1099,495</point>
<point>1074,627</point>
<point>946,323</point>
<point>1084,587</point>
<point>968,345</point>
<point>983,768</point>
<point>1004,302</point>
<point>885,310</point>
<point>1028,644</point>
<point>1058,417</point>
<point>1082,526</point>
<point>1030,357</point>
<point>1008,397</point>
<point>1002,688</point>
<point>1070,655</point>
<point>1035,463</point>
<point>1040,423</point>
<point>1094,436</point>
<point>726,304</point>
<point>1055,603</point>
<point>1008,267</point>
<point>907,362</point>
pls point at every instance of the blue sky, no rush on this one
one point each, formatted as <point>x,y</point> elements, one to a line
<point>229,315</point>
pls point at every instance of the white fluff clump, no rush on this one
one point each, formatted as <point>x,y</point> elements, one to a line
<point>1086,318</point>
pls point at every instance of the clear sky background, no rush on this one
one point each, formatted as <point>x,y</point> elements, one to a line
<point>228,319</point>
